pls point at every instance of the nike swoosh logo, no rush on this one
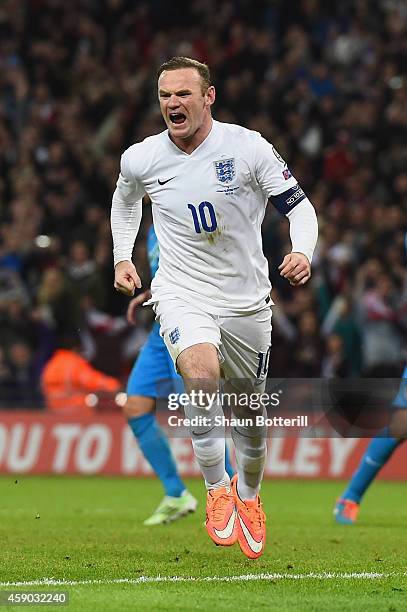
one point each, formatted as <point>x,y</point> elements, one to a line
<point>203,433</point>
<point>254,545</point>
<point>167,181</point>
<point>228,530</point>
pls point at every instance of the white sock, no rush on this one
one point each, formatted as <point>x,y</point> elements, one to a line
<point>223,482</point>
<point>210,455</point>
<point>251,450</point>
<point>208,442</point>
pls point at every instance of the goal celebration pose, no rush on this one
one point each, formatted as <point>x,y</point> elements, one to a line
<point>209,184</point>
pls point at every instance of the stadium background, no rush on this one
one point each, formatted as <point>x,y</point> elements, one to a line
<point>322,81</point>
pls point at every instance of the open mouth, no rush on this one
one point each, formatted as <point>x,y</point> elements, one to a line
<point>177,118</point>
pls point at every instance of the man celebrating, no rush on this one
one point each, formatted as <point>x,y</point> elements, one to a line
<point>209,184</point>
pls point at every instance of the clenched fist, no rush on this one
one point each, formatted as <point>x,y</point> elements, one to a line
<point>296,269</point>
<point>126,278</point>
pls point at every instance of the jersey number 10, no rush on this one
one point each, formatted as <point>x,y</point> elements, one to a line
<point>203,218</point>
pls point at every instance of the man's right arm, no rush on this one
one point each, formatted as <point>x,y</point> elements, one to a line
<point>125,222</point>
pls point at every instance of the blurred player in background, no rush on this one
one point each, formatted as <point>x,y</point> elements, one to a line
<point>377,454</point>
<point>153,376</point>
<point>68,379</point>
<point>209,184</point>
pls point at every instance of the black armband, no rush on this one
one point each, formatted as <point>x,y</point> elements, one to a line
<point>286,201</point>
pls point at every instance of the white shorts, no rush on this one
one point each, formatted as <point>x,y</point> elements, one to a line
<point>243,341</point>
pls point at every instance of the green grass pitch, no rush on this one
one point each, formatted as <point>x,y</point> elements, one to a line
<point>89,528</point>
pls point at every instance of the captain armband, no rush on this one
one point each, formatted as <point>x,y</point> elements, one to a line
<point>286,201</point>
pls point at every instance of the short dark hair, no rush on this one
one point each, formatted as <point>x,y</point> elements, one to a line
<point>175,63</point>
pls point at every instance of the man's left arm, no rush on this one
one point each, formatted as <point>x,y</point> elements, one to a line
<point>296,266</point>
<point>283,191</point>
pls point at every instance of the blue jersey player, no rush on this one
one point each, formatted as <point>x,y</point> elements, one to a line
<point>153,376</point>
<point>377,454</point>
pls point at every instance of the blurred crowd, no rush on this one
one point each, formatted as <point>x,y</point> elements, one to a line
<point>324,82</point>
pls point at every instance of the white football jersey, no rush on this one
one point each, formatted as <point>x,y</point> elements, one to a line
<point>208,207</point>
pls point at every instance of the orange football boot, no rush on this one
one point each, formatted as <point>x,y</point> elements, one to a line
<point>251,524</point>
<point>221,523</point>
<point>346,511</point>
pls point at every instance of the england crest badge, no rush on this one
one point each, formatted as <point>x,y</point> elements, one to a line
<point>225,170</point>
